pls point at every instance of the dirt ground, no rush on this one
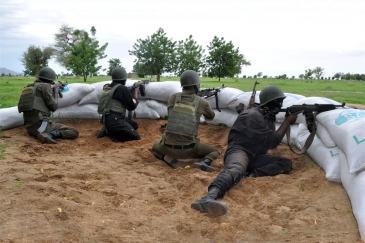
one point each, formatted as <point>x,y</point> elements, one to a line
<point>98,190</point>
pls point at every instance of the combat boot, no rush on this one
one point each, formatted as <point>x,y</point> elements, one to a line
<point>210,204</point>
<point>46,138</point>
<point>205,165</point>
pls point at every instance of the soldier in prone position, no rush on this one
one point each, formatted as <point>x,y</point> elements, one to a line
<point>179,140</point>
<point>37,101</point>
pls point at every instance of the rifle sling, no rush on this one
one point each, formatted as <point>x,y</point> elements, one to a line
<point>307,143</point>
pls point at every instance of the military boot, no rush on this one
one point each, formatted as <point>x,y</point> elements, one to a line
<point>46,138</point>
<point>205,165</point>
<point>210,204</point>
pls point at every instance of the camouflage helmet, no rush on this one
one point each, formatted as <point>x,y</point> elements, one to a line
<point>270,93</point>
<point>47,74</point>
<point>189,78</point>
<point>119,74</point>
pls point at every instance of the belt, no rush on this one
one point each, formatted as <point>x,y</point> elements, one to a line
<point>181,146</point>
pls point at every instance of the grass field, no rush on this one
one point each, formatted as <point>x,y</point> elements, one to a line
<point>352,92</point>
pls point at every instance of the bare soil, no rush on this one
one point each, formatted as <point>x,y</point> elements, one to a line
<point>98,190</point>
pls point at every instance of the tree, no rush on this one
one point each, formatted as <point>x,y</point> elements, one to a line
<point>338,75</point>
<point>157,54</point>
<point>139,69</point>
<point>318,72</point>
<point>113,63</point>
<point>63,41</point>
<point>259,74</point>
<point>189,56</point>
<point>301,76</point>
<point>35,58</point>
<point>84,55</point>
<point>308,74</point>
<point>223,60</point>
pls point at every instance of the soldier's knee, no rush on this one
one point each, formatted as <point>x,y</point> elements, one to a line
<point>235,173</point>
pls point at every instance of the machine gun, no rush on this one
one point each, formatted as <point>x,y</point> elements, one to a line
<point>206,93</point>
<point>57,87</point>
<point>310,112</point>
<point>141,85</point>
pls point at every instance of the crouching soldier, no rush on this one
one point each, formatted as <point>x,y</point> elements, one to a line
<point>179,140</point>
<point>37,101</point>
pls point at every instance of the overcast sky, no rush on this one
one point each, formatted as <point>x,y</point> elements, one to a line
<point>276,36</point>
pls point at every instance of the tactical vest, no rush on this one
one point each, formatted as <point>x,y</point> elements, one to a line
<point>182,118</point>
<point>30,100</point>
<point>107,103</point>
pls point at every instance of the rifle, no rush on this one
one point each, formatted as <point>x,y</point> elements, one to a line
<point>310,112</point>
<point>206,93</point>
<point>252,99</point>
<point>141,85</point>
<point>57,87</point>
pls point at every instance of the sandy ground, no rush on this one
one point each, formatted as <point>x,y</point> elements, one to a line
<point>98,190</point>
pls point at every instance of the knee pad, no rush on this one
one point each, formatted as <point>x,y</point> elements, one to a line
<point>235,173</point>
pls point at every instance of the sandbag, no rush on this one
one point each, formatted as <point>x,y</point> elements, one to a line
<point>10,118</point>
<point>73,93</point>
<point>76,111</point>
<point>224,118</point>
<point>159,107</point>
<point>293,134</point>
<point>347,129</point>
<point>354,185</point>
<point>326,158</point>
<point>94,96</point>
<point>143,111</point>
<point>225,97</point>
<point>325,137</point>
<point>162,90</point>
<point>243,98</point>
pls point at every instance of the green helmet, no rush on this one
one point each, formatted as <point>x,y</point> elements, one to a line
<point>119,74</point>
<point>270,93</point>
<point>189,78</point>
<point>47,74</point>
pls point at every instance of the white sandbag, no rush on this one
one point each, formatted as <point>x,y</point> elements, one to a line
<point>225,97</point>
<point>226,117</point>
<point>159,107</point>
<point>326,158</point>
<point>347,129</point>
<point>293,134</point>
<point>94,96</point>
<point>10,118</point>
<point>243,98</point>
<point>325,137</point>
<point>73,93</point>
<point>143,111</point>
<point>76,111</point>
<point>354,185</point>
<point>162,90</point>
<point>290,100</point>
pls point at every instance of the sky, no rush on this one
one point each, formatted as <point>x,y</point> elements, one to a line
<point>276,36</point>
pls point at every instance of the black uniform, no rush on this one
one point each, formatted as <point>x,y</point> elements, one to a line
<point>118,126</point>
<point>249,140</point>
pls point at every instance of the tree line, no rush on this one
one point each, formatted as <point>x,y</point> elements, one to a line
<point>79,51</point>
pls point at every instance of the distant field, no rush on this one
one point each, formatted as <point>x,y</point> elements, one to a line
<point>352,92</point>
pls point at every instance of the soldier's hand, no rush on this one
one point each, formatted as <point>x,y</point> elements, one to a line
<point>292,118</point>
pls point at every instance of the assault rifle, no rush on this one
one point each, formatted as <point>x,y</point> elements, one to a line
<point>310,112</point>
<point>57,87</point>
<point>141,85</point>
<point>252,99</point>
<point>206,93</point>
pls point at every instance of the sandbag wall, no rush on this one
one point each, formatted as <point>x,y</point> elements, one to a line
<point>338,147</point>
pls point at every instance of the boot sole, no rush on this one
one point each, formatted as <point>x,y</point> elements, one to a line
<point>45,140</point>
<point>206,168</point>
<point>215,208</point>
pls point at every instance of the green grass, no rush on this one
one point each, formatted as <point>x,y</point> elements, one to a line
<point>352,92</point>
